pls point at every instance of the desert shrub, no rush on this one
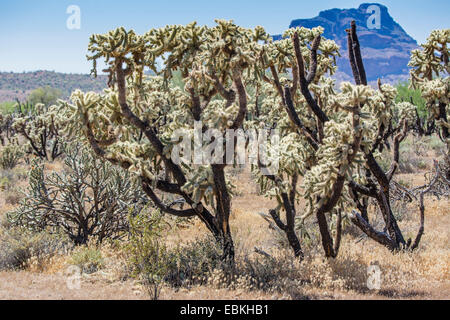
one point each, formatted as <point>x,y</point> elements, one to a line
<point>436,144</point>
<point>88,258</point>
<point>12,197</point>
<point>406,93</point>
<point>89,199</point>
<point>10,178</point>
<point>410,162</point>
<point>148,254</point>
<point>10,156</point>
<point>18,246</point>
<point>155,264</point>
<point>6,179</point>
<point>192,263</point>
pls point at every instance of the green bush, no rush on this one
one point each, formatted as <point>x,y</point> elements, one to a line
<point>183,266</point>
<point>10,156</point>
<point>45,95</point>
<point>88,258</point>
<point>148,255</point>
<point>405,93</point>
<point>7,107</point>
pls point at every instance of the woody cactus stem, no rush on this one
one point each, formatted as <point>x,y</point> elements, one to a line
<point>393,239</point>
<point>331,247</point>
<point>289,226</point>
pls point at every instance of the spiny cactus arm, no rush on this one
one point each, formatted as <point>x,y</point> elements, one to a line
<point>228,95</point>
<point>351,58</point>
<point>242,98</point>
<point>382,128</point>
<point>367,191</point>
<point>355,50</point>
<point>99,151</point>
<point>276,81</point>
<point>303,81</point>
<point>313,67</point>
<point>276,218</point>
<point>310,136</point>
<point>21,128</point>
<point>332,247</point>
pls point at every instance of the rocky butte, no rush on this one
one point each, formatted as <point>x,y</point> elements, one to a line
<point>386,50</point>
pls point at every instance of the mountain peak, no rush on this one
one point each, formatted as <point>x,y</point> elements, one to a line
<point>386,47</point>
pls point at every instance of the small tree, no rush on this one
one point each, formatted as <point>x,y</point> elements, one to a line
<point>90,198</point>
<point>45,95</point>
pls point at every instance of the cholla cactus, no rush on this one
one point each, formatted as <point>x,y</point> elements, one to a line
<point>329,138</point>
<point>319,148</point>
<point>89,199</point>
<point>41,131</point>
<point>430,73</point>
<point>133,122</point>
<point>7,132</point>
<point>10,156</point>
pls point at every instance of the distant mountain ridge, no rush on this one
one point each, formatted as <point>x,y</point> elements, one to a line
<point>386,51</point>
<point>19,85</point>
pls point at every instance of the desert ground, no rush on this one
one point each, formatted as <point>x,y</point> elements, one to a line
<point>423,274</point>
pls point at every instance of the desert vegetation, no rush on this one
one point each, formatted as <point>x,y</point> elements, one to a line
<point>357,176</point>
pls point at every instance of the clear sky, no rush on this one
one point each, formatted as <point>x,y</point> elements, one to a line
<point>34,33</point>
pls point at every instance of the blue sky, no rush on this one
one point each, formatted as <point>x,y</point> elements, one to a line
<point>34,36</point>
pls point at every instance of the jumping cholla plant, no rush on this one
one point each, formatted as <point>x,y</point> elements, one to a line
<point>430,73</point>
<point>89,199</point>
<point>10,156</point>
<point>133,122</point>
<point>40,129</point>
<point>7,133</point>
<point>330,138</point>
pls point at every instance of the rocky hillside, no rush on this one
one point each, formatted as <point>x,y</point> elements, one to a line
<point>386,50</point>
